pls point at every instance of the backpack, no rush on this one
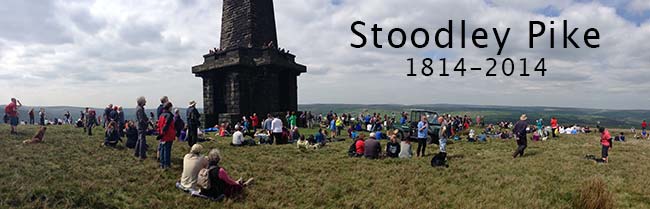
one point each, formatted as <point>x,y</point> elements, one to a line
<point>352,151</point>
<point>439,160</point>
<point>203,180</point>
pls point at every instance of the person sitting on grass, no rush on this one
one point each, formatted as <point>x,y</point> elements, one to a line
<point>302,143</point>
<point>605,142</point>
<point>482,137</point>
<point>131,135</point>
<point>216,184</point>
<point>471,136</point>
<point>193,162</point>
<point>263,136</point>
<point>372,147</point>
<point>238,139</point>
<point>38,137</point>
<point>295,135</point>
<point>356,148</point>
<point>392,147</point>
<point>112,135</point>
<point>405,148</point>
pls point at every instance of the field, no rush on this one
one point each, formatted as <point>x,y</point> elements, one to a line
<point>72,170</point>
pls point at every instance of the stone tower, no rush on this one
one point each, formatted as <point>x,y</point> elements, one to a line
<point>248,73</point>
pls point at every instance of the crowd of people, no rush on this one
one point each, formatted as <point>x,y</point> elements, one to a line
<point>203,177</point>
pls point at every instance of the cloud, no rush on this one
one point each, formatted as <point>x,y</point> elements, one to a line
<point>112,51</point>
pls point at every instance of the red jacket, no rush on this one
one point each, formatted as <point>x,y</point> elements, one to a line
<point>255,121</point>
<point>644,124</point>
<point>554,123</point>
<point>166,127</point>
<point>604,138</point>
<point>360,145</point>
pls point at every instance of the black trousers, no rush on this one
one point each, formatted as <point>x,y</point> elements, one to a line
<point>422,146</point>
<point>192,136</point>
<point>521,146</point>
<point>141,144</point>
<point>277,138</point>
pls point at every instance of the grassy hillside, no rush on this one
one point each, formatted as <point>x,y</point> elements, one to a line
<point>71,170</point>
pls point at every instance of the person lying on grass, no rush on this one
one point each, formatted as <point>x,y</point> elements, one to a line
<point>38,137</point>
<point>193,162</point>
<point>214,182</point>
<point>302,143</point>
<point>605,142</point>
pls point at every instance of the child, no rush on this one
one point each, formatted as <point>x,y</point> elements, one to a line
<point>405,148</point>
<point>605,142</point>
<point>536,136</point>
<point>392,147</point>
<point>471,136</point>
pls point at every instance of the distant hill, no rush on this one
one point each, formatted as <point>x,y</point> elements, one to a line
<point>493,114</point>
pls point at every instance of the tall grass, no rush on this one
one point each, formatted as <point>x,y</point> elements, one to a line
<point>594,195</point>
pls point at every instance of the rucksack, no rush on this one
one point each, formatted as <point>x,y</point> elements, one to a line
<point>203,180</point>
<point>439,160</point>
<point>352,151</point>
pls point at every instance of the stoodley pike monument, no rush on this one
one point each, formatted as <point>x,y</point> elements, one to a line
<point>248,73</point>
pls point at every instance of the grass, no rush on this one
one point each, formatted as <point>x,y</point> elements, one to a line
<point>71,170</point>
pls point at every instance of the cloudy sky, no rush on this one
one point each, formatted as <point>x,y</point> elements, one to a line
<point>95,52</point>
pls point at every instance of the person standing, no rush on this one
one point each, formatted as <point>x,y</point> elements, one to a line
<point>163,100</point>
<point>41,116</point>
<point>644,125</point>
<point>423,129</point>
<point>444,133</point>
<point>67,117</point>
<point>179,124</point>
<point>121,121</point>
<point>142,125</point>
<point>255,121</point>
<point>267,123</point>
<point>276,128</point>
<point>107,112</point>
<point>11,110</point>
<point>31,116</point>
<point>91,121</point>
<point>605,142</point>
<point>193,123</point>
<point>166,135</point>
<point>554,126</point>
<point>520,132</point>
<point>292,119</point>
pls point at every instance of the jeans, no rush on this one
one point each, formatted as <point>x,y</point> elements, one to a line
<point>605,151</point>
<point>443,144</point>
<point>422,146</point>
<point>521,146</point>
<point>141,145</point>
<point>165,154</point>
<point>90,129</point>
<point>31,120</point>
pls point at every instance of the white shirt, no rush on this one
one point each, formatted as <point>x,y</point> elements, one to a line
<point>276,125</point>
<point>237,138</point>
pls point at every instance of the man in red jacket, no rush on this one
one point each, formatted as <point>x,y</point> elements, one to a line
<point>12,111</point>
<point>644,125</point>
<point>166,135</point>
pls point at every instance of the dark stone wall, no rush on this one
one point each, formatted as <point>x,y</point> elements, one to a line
<point>247,24</point>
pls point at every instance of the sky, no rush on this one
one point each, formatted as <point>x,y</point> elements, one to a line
<point>95,52</point>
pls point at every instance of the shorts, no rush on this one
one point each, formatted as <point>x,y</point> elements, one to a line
<point>605,151</point>
<point>13,120</point>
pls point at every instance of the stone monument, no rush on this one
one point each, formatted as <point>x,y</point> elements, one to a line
<point>248,73</point>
